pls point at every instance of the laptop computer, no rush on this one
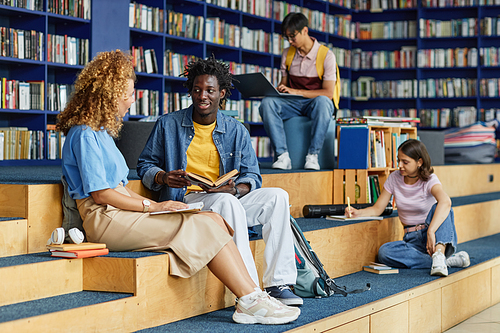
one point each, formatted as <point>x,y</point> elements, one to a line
<point>257,85</point>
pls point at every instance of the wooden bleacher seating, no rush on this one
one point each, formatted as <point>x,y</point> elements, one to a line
<point>149,296</point>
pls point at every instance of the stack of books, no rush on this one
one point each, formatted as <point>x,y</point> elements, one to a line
<point>78,251</point>
<point>378,268</point>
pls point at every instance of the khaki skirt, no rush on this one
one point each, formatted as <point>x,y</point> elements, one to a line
<point>191,240</point>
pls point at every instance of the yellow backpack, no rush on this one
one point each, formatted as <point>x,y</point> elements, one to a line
<point>320,60</point>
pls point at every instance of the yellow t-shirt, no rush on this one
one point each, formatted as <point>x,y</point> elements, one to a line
<point>202,155</point>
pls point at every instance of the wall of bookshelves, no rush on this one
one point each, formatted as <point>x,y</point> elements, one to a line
<point>397,58</point>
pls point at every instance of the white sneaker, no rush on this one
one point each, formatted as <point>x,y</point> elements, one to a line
<point>439,264</point>
<point>311,162</point>
<point>460,259</point>
<point>263,309</point>
<point>283,162</point>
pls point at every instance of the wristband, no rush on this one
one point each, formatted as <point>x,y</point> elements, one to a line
<point>237,194</point>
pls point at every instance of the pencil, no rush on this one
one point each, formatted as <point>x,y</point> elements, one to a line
<point>348,207</point>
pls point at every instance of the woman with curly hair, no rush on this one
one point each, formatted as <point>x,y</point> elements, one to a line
<point>424,208</point>
<point>113,214</point>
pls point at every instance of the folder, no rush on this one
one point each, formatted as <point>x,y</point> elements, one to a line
<point>353,147</point>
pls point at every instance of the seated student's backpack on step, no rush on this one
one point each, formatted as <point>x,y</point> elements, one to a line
<point>312,279</point>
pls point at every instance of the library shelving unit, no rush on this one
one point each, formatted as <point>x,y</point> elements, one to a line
<point>353,183</point>
<point>264,17</point>
<point>24,58</point>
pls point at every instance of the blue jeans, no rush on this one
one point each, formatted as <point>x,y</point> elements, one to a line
<point>274,110</point>
<point>411,252</point>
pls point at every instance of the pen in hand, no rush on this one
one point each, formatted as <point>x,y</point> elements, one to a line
<point>348,207</point>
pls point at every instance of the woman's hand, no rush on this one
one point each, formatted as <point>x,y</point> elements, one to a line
<point>431,242</point>
<point>167,205</point>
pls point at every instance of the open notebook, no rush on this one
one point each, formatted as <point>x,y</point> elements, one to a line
<point>257,85</point>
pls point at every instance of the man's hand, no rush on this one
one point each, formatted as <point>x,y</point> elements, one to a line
<point>175,179</point>
<point>284,89</point>
<point>228,188</point>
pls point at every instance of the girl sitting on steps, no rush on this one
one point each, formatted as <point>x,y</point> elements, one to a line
<point>424,208</point>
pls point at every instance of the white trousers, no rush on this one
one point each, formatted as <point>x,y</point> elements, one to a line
<point>266,206</point>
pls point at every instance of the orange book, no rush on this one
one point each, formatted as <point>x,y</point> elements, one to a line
<point>78,254</point>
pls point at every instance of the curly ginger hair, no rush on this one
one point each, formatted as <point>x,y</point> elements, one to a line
<point>97,90</point>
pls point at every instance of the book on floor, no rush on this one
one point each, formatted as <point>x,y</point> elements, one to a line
<point>76,247</point>
<point>78,254</point>
<point>196,179</point>
<point>380,269</point>
<point>345,218</point>
<point>193,207</point>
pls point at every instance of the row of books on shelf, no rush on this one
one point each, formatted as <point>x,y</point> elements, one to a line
<point>457,3</point>
<point>465,27</point>
<point>338,24</point>
<point>174,63</point>
<point>379,5</point>
<point>30,5</point>
<point>20,143</point>
<point>447,87</point>
<point>67,50</point>
<point>144,60</point>
<point>58,95</point>
<point>184,25</point>
<point>386,30</point>
<point>145,17</point>
<point>21,95</point>
<point>255,7</point>
<point>147,103</point>
<point>490,26</point>
<point>367,87</point>
<point>55,142</point>
<point>400,113</point>
<point>75,8</point>
<point>262,146</point>
<point>21,44</point>
<point>445,117</point>
<point>489,56</point>
<point>173,101</point>
<point>404,58</point>
<point>445,58</point>
<point>489,87</point>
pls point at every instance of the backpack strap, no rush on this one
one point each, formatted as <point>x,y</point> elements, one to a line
<point>320,68</point>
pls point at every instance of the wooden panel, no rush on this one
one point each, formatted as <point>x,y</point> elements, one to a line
<point>477,220</point>
<point>109,274</point>
<point>44,214</point>
<point>358,326</point>
<point>170,298</point>
<point>495,284</point>
<point>315,189</point>
<point>258,255</point>
<point>393,319</point>
<point>114,316</point>
<point>344,250</point>
<point>137,187</point>
<point>338,186</point>
<point>474,178</point>
<point>465,298</point>
<point>425,312</point>
<point>350,186</point>
<point>13,237</point>
<point>45,279</point>
<point>290,182</point>
<point>13,200</point>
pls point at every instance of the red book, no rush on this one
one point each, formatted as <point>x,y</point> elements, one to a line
<point>78,254</point>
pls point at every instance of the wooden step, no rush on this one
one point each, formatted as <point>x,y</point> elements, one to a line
<point>13,236</point>
<point>73,312</point>
<point>29,277</point>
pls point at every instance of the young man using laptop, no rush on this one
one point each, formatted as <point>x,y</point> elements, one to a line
<point>301,77</point>
<point>202,140</point>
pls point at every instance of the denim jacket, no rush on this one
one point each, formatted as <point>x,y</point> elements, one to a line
<point>167,145</point>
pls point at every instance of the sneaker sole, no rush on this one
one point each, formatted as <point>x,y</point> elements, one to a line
<point>291,301</point>
<point>242,318</point>
<point>465,257</point>
<point>439,272</point>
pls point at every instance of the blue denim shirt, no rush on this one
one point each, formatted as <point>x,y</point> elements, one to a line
<point>167,145</point>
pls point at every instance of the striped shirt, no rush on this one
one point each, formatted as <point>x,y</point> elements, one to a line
<point>413,201</point>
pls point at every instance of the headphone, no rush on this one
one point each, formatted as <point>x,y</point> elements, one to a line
<point>58,236</point>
